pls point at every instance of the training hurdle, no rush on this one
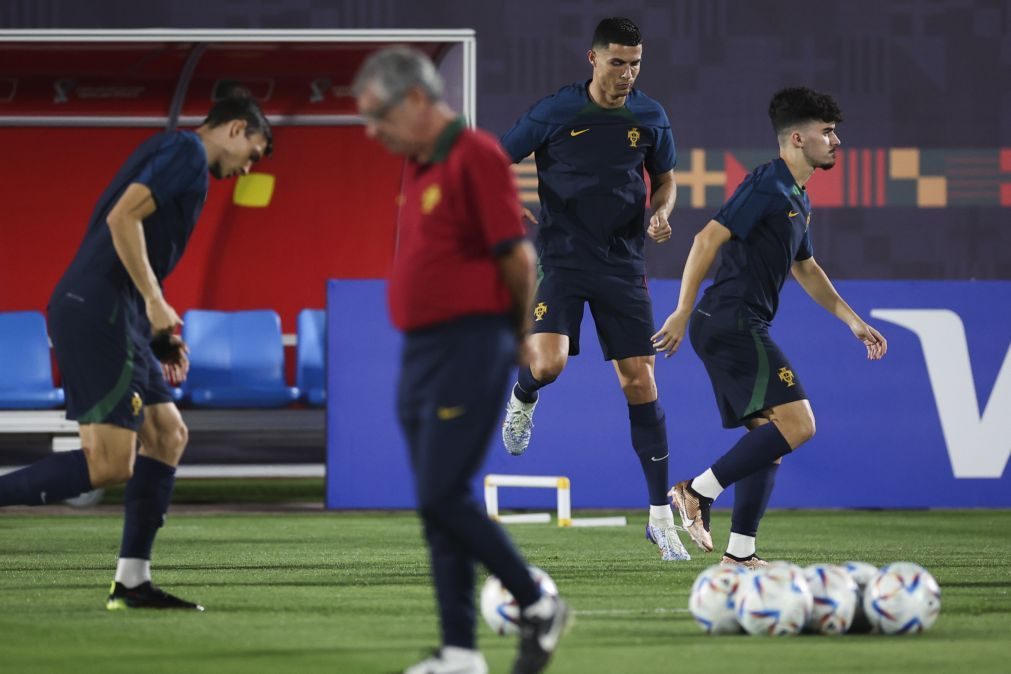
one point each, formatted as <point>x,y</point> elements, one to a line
<point>560,484</point>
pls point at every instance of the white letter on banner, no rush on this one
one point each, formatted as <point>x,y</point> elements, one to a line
<point>978,444</point>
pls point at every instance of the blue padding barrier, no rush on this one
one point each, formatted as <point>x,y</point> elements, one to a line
<point>928,426</point>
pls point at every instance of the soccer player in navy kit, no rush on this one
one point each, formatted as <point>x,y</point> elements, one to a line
<point>460,291</point>
<point>591,142</point>
<point>763,232</point>
<point>108,318</point>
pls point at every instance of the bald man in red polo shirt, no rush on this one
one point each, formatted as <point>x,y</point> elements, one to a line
<point>460,291</point>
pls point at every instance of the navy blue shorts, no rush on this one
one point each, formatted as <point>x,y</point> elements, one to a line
<point>109,371</point>
<point>621,308</point>
<point>748,371</point>
<point>454,380</point>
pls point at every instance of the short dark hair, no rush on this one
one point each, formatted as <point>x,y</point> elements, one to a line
<point>795,105</point>
<point>616,30</point>
<point>238,104</point>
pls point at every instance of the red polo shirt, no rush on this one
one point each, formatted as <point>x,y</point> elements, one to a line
<point>456,213</point>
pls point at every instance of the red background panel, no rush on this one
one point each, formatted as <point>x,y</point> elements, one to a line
<point>332,216</point>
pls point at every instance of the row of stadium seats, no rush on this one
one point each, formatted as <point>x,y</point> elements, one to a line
<point>236,361</point>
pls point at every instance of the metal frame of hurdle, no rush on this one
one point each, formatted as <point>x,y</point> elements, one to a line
<point>559,483</point>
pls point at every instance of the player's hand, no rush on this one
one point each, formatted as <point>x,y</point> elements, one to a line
<point>163,318</point>
<point>659,229</point>
<point>670,336</point>
<point>877,345</point>
<point>173,353</point>
<point>529,215</point>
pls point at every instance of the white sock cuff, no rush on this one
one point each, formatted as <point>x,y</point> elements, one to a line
<point>661,512</point>
<point>741,545</point>
<point>132,572</point>
<point>707,485</point>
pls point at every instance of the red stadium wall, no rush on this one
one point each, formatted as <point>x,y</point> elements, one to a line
<point>331,216</point>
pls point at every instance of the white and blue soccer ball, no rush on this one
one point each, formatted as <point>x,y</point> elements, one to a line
<point>774,600</point>
<point>902,598</point>
<point>712,599</point>
<point>501,610</point>
<point>861,573</point>
<point>835,598</point>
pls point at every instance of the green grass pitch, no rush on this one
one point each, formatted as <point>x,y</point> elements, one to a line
<point>349,592</point>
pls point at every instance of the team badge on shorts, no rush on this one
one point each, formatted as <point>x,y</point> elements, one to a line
<point>633,137</point>
<point>540,311</point>
<point>786,376</point>
<point>136,403</point>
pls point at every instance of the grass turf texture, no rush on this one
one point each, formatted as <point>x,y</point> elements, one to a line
<point>348,592</point>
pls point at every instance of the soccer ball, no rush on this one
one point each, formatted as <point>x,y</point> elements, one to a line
<point>902,598</point>
<point>835,598</point>
<point>500,609</point>
<point>775,600</point>
<point>712,599</point>
<point>861,573</point>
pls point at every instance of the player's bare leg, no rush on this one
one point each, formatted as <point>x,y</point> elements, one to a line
<point>163,438</point>
<point>649,439</point>
<point>549,353</point>
<point>792,425</point>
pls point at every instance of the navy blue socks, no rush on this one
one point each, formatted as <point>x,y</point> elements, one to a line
<point>751,496</point>
<point>755,450</point>
<point>526,388</point>
<point>649,440</point>
<point>146,501</point>
<point>50,480</point>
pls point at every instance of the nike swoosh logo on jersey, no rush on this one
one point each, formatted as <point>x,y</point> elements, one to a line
<point>653,458</point>
<point>575,133</point>
<point>793,214</point>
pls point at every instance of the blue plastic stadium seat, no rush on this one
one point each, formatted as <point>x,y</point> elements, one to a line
<point>26,371</point>
<point>236,360</point>
<point>310,375</point>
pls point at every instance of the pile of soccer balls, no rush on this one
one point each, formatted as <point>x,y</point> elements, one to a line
<point>783,599</point>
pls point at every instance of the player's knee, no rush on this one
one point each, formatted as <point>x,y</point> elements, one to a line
<point>110,470</point>
<point>800,430</point>
<point>639,390</point>
<point>172,441</point>
<point>546,370</point>
<point>809,428</point>
<point>182,437</point>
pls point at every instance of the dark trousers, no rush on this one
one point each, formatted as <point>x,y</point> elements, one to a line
<point>453,384</point>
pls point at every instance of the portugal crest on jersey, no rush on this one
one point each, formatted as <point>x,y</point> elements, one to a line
<point>633,137</point>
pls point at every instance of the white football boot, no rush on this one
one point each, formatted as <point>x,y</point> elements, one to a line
<point>518,425</point>
<point>664,534</point>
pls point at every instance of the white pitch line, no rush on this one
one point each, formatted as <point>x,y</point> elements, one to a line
<point>629,611</point>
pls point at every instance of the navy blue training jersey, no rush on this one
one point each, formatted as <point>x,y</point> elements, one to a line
<point>173,165</point>
<point>590,176</point>
<point>769,216</point>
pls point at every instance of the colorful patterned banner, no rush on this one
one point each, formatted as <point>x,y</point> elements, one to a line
<point>861,178</point>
